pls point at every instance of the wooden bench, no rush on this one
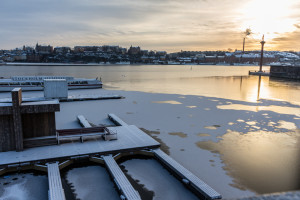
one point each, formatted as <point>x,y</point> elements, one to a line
<point>82,133</point>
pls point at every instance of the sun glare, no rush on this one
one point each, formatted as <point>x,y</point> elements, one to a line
<point>268,17</point>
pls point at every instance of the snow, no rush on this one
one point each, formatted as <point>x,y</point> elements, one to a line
<point>219,104</point>
<point>209,117</point>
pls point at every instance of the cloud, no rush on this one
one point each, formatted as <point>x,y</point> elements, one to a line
<point>297,26</point>
<point>157,24</point>
<point>287,41</point>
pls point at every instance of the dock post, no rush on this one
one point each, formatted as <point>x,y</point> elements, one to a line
<point>16,95</point>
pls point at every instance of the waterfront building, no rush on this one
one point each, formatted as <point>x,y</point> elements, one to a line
<point>43,49</point>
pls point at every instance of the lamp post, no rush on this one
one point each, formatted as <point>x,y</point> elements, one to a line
<point>262,53</point>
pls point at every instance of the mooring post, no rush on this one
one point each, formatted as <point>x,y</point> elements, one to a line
<point>262,53</point>
<point>16,95</point>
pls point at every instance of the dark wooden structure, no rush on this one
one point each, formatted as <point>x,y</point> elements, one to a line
<point>19,121</point>
<point>284,71</point>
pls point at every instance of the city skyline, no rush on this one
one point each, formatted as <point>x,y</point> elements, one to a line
<point>155,25</point>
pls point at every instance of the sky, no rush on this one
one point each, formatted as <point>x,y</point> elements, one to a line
<point>171,25</point>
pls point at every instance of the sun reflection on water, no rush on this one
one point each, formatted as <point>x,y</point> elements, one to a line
<point>262,161</point>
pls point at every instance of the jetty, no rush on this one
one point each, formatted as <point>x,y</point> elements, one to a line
<point>259,73</point>
<point>69,98</point>
<point>99,144</point>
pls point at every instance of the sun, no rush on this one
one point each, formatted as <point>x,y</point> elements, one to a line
<point>270,17</point>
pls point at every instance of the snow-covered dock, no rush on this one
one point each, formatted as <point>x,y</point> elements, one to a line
<point>120,179</point>
<point>70,98</point>
<point>130,138</point>
<point>116,120</point>
<point>56,191</point>
<point>187,177</point>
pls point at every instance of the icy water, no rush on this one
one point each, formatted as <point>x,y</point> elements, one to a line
<point>21,186</point>
<point>230,82</point>
<point>207,117</point>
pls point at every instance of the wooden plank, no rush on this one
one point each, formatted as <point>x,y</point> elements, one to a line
<point>195,182</point>
<point>40,141</point>
<point>7,138</point>
<point>40,107</point>
<point>83,122</point>
<point>38,124</point>
<point>16,95</point>
<point>77,131</point>
<point>116,120</point>
<point>119,177</point>
<point>56,191</point>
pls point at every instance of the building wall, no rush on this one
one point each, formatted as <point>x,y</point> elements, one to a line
<point>292,72</point>
<point>7,138</point>
<point>38,125</point>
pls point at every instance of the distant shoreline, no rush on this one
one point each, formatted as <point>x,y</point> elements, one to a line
<point>52,64</point>
<point>107,64</point>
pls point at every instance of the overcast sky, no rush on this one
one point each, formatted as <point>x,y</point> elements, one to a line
<point>171,25</point>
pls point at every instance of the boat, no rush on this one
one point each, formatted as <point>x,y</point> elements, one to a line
<point>36,83</point>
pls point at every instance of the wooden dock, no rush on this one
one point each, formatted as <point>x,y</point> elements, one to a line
<point>120,179</point>
<point>131,140</point>
<point>56,191</point>
<point>69,99</point>
<point>189,178</point>
<point>258,73</point>
<point>116,120</point>
<point>83,122</point>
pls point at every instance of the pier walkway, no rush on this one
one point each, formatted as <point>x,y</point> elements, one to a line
<point>190,179</point>
<point>130,138</point>
<point>120,179</point>
<point>83,122</point>
<point>69,99</point>
<point>56,191</point>
<point>116,120</point>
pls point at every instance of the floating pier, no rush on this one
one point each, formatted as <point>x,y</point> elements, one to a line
<point>186,176</point>
<point>69,99</point>
<point>116,120</point>
<point>56,191</point>
<point>83,122</point>
<point>259,73</point>
<point>120,179</point>
<point>131,141</point>
<point>130,138</point>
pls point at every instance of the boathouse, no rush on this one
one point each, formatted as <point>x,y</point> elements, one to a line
<point>284,71</point>
<point>20,122</point>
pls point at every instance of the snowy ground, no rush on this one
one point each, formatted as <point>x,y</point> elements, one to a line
<point>237,147</point>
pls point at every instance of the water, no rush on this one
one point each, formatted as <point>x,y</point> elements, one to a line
<point>208,80</point>
<point>208,117</point>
